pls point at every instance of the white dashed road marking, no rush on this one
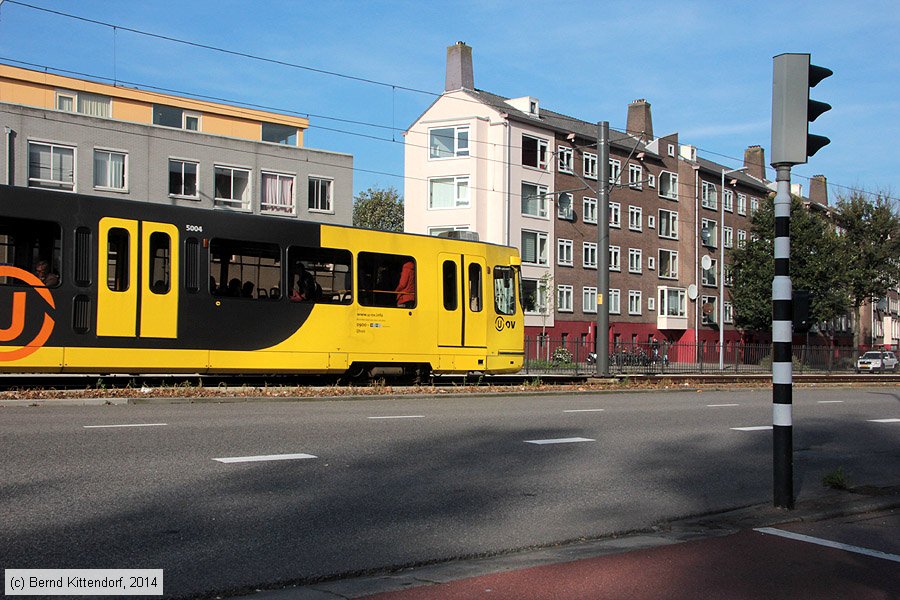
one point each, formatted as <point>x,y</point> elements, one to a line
<point>263,458</point>
<point>125,425</point>
<point>756,428</point>
<point>720,405</point>
<point>579,410</point>
<point>560,441</point>
<point>884,420</point>
<point>400,417</point>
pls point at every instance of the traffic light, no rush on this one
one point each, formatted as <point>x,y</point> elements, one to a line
<point>792,110</point>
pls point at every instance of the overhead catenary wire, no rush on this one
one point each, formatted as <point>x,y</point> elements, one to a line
<point>394,87</point>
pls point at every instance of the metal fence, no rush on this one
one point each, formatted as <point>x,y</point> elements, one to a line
<point>549,356</point>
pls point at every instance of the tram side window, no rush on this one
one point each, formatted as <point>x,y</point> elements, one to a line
<point>117,275</point>
<point>475,303</point>
<point>321,275</point>
<point>244,269</point>
<point>386,280</point>
<point>192,265</point>
<point>448,276</point>
<point>32,246</point>
<point>505,290</point>
<point>160,264</point>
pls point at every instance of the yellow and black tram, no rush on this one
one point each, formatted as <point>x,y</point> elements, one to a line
<point>98,285</point>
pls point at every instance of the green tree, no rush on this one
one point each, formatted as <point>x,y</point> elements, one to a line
<point>378,209</point>
<point>817,265</point>
<point>870,232</point>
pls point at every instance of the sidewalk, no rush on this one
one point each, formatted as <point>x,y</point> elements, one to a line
<point>722,555</point>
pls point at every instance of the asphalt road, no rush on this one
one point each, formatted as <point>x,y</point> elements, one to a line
<point>386,482</point>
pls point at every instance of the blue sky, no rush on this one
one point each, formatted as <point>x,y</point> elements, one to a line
<point>705,66</point>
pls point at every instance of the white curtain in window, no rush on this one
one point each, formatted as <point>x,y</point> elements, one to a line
<point>117,170</point>
<point>95,106</point>
<point>442,194</point>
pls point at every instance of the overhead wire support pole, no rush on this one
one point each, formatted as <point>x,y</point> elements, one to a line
<point>602,339</point>
<point>782,336</point>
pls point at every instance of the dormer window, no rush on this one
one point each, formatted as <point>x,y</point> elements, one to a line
<point>172,116</point>
<point>93,105</point>
<point>533,107</point>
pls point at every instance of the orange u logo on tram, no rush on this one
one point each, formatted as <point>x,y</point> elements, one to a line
<point>17,317</point>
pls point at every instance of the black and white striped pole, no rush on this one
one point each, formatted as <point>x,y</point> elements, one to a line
<point>792,110</point>
<point>782,337</point>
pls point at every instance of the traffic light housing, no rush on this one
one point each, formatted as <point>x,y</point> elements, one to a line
<point>792,110</point>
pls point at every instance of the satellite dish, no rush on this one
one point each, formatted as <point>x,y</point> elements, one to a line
<point>692,291</point>
<point>706,262</point>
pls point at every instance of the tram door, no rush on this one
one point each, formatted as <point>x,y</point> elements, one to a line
<point>137,291</point>
<point>462,319</point>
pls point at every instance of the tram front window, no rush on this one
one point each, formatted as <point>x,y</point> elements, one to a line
<point>505,290</point>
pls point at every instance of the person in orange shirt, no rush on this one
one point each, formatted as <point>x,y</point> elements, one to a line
<point>406,289</point>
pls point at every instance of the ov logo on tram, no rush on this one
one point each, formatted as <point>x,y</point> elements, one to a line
<point>502,323</point>
<point>17,315</point>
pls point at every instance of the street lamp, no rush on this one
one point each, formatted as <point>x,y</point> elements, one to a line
<point>722,269</point>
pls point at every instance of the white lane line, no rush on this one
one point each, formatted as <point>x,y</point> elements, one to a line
<point>830,402</point>
<point>560,441</point>
<point>125,425</point>
<point>884,420</point>
<point>400,417</point>
<point>720,405</point>
<point>755,428</point>
<point>578,410</point>
<point>263,458</point>
<point>828,543</point>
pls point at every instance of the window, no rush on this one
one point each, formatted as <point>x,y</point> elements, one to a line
<point>321,275</point>
<point>110,170</point>
<point>708,276</point>
<point>388,280</point>
<point>504,290</point>
<point>672,302</point>
<point>615,302</point>
<point>615,258</point>
<point>564,252</point>
<point>668,185</point>
<point>51,166</point>
<point>742,204</point>
<point>279,134</point>
<point>24,243</point>
<point>634,302</point>
<point>651,181</point>
<point>534,296</point>
<point>437,231</point>
<point>183,178</point>
<point>709,196</point>
<point>668,264</point>
<point>635,260</point>
<point>589,255</point>
<point>448,192</point>
<point>709,309</point>
<point>564,295</point>
<point>448,142</point>
<point>615,171</point>
<point>93,105</point>
<point>192,265</point>
<point>534,152</point>
<point>651,303</point>
<point>534,200</point>
<point>117,267</point>
<point>728,200</point>
<point>728,309</point>
<point>320,195</point>
<point>635,218</point>
<point>728,275</point>
<point>754,205</point>
<point>589,299</point>
<point>534,247</point>
<point>475,285</point>
<point>564,208</point>
<point>741,238</point>
<point>590,210</point>
<point>671,149</point>
<point>277,194</point>
<point>728,237</point>
<point>668,224</point>
<point>244,269</point>
<point>171,116</point>
<point>615,214</point>
<point>566,160</point>
<point>589,162</point>
<point>160,262</point>
<point>709,233</point>
<point>232,186</point>
<point>635,176</point>
<point>449,285</point>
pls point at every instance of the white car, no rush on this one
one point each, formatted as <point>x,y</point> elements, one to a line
<point>876,361</point>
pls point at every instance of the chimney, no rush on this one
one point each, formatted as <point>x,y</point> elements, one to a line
<point>818,190</point>
<point>459,68</point>
<point>755,162</point>
<point>639,119</point>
